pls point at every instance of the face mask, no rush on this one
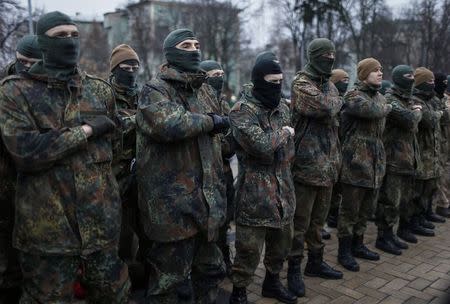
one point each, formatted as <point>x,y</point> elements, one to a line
<point>425,87</point>
<point>341,86</point>
<point>60,52</point>
<point>216,83</point>
<point>268,93</point>
<point>440,87</point>
<point>183,61</point>
<point>20,67</point>
<point>322,65</point>
<point>124,78</point>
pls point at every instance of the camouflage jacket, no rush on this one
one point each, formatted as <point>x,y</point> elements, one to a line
<point>10,69</point>
<point>363,120</point>
<point>264,189</point>
<point>444,105</point>
<point>399,138</point>
<point>179,163</point>
<point>314,117</point>
<point>67,200</point>
<point>429,135</point>
<point>125,145</point>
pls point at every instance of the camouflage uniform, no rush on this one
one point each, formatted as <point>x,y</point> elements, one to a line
<point>429,138</point>
<point>402,160</point>
<point>10,69</point>
<point>442,197</point>
<point>363,119</point>
<point>180,183</point>
<point>317,158</point>
<point>265,200</point>
<point>67,203</point>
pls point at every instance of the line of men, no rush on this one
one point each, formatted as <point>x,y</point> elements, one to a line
<point>109,187</point>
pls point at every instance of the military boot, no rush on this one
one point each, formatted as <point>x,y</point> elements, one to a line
<point>272,288</point>
<point>316,267</point>
<point>294,277</point>
<point>384,242</point>
<point>433,217</point>
<point>418,229</point>
<point>405,234</point>
<point>345,257</point>
<point>360,250</point>
<point>238,295</point>
<point>425,223</point>
<point>442,211</point>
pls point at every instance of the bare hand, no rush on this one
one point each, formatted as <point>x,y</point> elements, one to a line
<point>290,129</point>
<point>87,129</point>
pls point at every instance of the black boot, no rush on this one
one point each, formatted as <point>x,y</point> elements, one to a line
<point>433,217</point>
<point>360,250</point>
<point>405,234</point>
<point>316,267</point>
<point>325,234</point>
<point>345,257</point>
<point>239,295</point>
<point>444,212</point>
<point>425,223</point>
<point>272,288</point>
<point>416,228</point>
<point>294,277</point>
<point>384,242</point>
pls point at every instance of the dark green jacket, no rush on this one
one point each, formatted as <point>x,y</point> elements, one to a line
<point>179,162</point>
<point>429,135</point>
<point>264,189</point>
<point>67,200</point>
<point>314,117</point>
<point>444,105</point>
<point>399,138</point>
<point>363,120</point>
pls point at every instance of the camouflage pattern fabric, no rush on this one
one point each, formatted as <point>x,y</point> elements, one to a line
<point>442,197</point>
<point>358,204</point>
<point>179,163</point>
<point>424,190</point>
<point>363,119</point>
<point>67,201</point>
<point>429,135</point>
<point>250,242</point>
<point>10,69</point>
<point>171,263</point>
<point>264,187</point>
<point>314,117</point>
<point>50,279</point>
<point>313,204</point>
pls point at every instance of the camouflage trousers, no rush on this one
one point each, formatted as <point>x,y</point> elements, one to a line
<point>222,241</point>
<point>442,196</point>
<point>51,279</point>
<point>424,192</point>
<point>336,199</point>
<point>357,206</point>
<point>170,265</point>
<point>396,195</point>
<point>249,246</point>
<point>311,212</point>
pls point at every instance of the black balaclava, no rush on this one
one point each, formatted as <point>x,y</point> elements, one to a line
<point>27,46</point>
<point>385,85</point>
<point>181,60</point>
<point>318,65</point>
<point>215,82</point>
<point>440,84</point>
<point>125,79</point>
<point>401,83</point>
<point>60,55</point>
<point>268,93</point>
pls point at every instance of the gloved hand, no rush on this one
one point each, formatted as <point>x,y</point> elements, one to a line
<point>100,125</point>
<point>221,123</point>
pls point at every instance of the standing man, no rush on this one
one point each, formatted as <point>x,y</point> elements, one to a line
<point>340,79</point>
<point>315,103</point>
<point>443,194</point>
<point>402,162</point>
<point>265,198</point>
<point>27,53</point>
<point>429,138</point>
<point>215,74</point>
<point>363,118</point>
<point>67,202</point>
<point>180,176</point>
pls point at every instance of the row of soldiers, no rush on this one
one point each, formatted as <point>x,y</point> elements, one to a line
<point>92,167</point>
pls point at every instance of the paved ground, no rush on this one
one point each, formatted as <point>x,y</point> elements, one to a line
<point>420,275</point>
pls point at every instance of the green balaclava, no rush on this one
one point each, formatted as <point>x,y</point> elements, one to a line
<point>215,82</point>
<point>385,85</point>
<point>181,60</point>
<point>402,83</point>
<point>318,65</point>
<point>27,46</point>
<point>60,55</point>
